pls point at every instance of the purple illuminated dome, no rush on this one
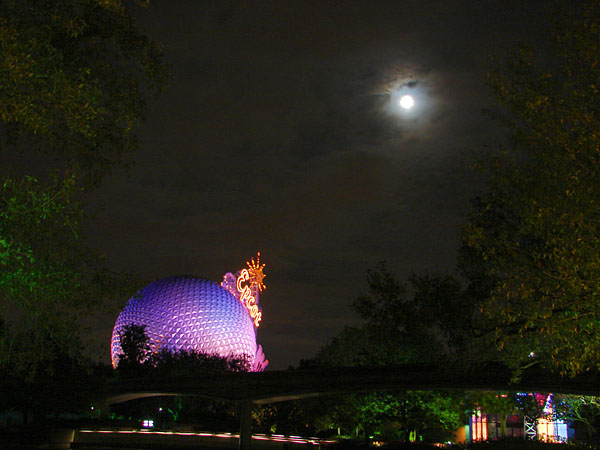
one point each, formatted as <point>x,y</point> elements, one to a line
<point>190,313</point>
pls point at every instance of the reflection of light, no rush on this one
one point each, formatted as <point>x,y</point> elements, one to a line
<point>407,102</point>
<point>260,437</point>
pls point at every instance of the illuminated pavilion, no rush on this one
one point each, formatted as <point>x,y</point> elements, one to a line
<point>194,314</point>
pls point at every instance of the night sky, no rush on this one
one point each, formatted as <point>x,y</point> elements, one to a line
<point>280,133</point>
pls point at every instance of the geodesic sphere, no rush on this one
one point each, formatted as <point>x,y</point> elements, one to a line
<point>189,313</point>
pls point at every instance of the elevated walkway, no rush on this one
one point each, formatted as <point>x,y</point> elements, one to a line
<point>277,386</point>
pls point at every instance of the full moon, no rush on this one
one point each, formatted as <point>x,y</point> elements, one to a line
<point>407,102</point>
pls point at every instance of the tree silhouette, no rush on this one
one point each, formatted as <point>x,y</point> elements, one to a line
<point>534,236</point>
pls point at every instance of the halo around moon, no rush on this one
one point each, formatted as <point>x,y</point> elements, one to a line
<point>406,102</point>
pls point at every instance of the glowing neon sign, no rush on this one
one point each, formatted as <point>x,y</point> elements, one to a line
<point>246,286</point>
<point>246,297</point>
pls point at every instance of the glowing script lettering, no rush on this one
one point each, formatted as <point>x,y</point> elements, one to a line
<point>246,286</point>
<point>246,297</point>
<point>244,276</point>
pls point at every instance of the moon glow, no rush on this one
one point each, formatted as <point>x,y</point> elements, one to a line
<point>406,101</point>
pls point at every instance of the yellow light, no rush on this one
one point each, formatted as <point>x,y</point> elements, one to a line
<point>244,276</point>
<point>254,275</point>
<point>256,272</point>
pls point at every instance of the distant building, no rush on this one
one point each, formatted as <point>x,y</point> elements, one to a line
<point>483,426</point>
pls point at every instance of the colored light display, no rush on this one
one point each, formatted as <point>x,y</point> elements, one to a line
<point>193,314</point>
<point>246,285</point>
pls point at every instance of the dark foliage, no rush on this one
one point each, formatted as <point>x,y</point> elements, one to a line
<point>137,359</point>
<point>188,362</point>
<point>74,81</point>
<point>76,77</point>
<point>135,347</point>
<point>532,243</point>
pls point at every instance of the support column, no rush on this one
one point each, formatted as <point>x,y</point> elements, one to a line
<point>245,407</point>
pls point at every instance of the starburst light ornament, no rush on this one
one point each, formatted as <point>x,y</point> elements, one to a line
<point>256,272</point>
